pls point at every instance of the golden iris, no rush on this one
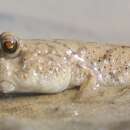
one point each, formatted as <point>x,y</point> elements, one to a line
<point>9,46</point>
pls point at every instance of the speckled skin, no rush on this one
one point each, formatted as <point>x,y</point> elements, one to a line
<point>51,66</point>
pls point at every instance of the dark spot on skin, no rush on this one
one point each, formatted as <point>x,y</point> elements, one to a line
<point>93,51</point>
<point>109,59</point>
<point>110,73</point>
<point>99,69</point>
<point>126,68</point>
<point>99,60</point>
<point>107,51</point>
<point>91,62</point>
<point>123,52</point>
<point>123,47</point>
<point>115,48</point>
<point>64,45</point>
<point>105,56</point>
<point>119,71</point>
<point>56,109</point>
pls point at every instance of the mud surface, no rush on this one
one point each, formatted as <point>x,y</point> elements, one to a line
<point>109,110</point>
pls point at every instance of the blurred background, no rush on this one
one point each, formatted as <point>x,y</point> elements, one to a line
<point>90,20</point>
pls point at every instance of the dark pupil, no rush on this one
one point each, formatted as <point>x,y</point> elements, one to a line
<point>9,46</point>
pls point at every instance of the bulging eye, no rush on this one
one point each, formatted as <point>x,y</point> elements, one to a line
<point>9,43</point>
<point>9,46</point>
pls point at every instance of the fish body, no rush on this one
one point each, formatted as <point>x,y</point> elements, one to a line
<point>51,66</point>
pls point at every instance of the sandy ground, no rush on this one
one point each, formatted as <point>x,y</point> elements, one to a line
<point>108,111</point>
<point>88,20</point>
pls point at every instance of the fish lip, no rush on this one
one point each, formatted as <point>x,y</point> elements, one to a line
<point>7,86</point>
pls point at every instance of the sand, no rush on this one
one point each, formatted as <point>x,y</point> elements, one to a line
<point>61,111</point>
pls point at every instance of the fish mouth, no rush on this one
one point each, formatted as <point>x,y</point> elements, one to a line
<point>6,86</point>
